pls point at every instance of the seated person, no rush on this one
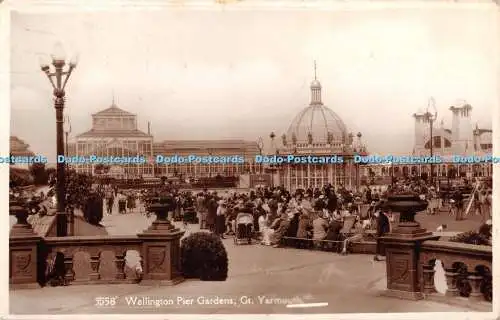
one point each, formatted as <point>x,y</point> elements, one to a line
<point>230,221</point>
<point>486,230</point>
<point>334,230</point>
<point>269,231</point>
<point>359,231</point>
<point>293,229</point>
<point>280,230</point>
<point>320,227</point>
<point>333,233</point>
<point>263,222</point>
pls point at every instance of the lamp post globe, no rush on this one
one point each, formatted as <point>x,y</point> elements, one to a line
<point>58,53</point>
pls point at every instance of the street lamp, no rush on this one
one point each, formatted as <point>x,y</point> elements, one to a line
<point>431,117</point>
<point>392,174</point>
<point>477,146</point>
<point>58,79</point>
<point>67,131</point>
<point>273,166</point>
<point>260,145</point>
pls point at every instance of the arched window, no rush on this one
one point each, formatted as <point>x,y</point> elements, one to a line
<point>437,143</point>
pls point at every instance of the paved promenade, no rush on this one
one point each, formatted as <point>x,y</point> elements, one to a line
<point>261,280</point>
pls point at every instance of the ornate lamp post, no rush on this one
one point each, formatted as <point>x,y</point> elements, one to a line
<point>475,168</point>
<point>431,117</point>
<point>260,145</point>
<point>58,79</point>
<point>273,167</point>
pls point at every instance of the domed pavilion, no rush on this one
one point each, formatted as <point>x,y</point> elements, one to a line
<point>318,131</point>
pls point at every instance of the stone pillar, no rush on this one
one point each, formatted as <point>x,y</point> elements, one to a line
<point>23,252</point>
<point>161,250</point>
<point>404,279</point>
<point>402,250</point>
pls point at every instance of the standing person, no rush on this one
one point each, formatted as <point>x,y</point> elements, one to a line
<point>201,204</point>
<point>109,201</point>
<point>383,227</point>
<point>489,201</point>
<point>122,203</point>
<point>459,204</point>
<point>369,195</point>
<point>220,219</point>
<point>479,203</point>
<point>212,213</point>
<point>130,202</point>
<point>179,204</point>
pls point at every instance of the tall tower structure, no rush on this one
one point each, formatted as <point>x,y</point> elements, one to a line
<point>462,131</point>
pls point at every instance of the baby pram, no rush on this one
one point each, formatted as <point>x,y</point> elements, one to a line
<point>244,228</point>
<point>122,206</point>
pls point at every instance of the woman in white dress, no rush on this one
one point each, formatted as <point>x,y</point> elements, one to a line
<point>263,224</point>
<point>263,219</point>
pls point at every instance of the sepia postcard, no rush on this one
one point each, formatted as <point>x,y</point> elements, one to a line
<point>250,158</point>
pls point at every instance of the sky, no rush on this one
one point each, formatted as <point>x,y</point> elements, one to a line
<point>229,74</point>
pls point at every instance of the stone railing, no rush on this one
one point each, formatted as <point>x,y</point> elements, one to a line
<point>94,259</point>
<point>468,269</point>
<point>411,270</point>
<point>411,254</point>
<point>151,257</point>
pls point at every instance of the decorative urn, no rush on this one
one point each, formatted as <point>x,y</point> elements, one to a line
<point>408,205</point>
<point>21,210</point>
<point>160,205</point>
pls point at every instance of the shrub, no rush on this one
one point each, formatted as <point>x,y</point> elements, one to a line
<point>93,209</point>
<point>20,177</point>
<point>39,174</point>
<point>471,237</point>
<point>204,256</point>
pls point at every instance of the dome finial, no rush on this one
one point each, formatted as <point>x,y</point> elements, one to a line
<point>315,88</point>
<point>113,104</point>
<point>315,78</point>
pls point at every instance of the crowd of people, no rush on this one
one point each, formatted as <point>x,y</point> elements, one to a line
<point>126,200</point>
<point>327,216</point>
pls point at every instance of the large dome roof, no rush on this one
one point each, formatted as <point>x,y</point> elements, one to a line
<point>320,122</point>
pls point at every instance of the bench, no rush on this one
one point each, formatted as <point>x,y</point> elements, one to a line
<point>329,245</point>
<point>362,247</point>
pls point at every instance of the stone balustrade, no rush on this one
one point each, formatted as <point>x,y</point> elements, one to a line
<point>149,258</point>
<point>468,269</point>
<point>92,259</point>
